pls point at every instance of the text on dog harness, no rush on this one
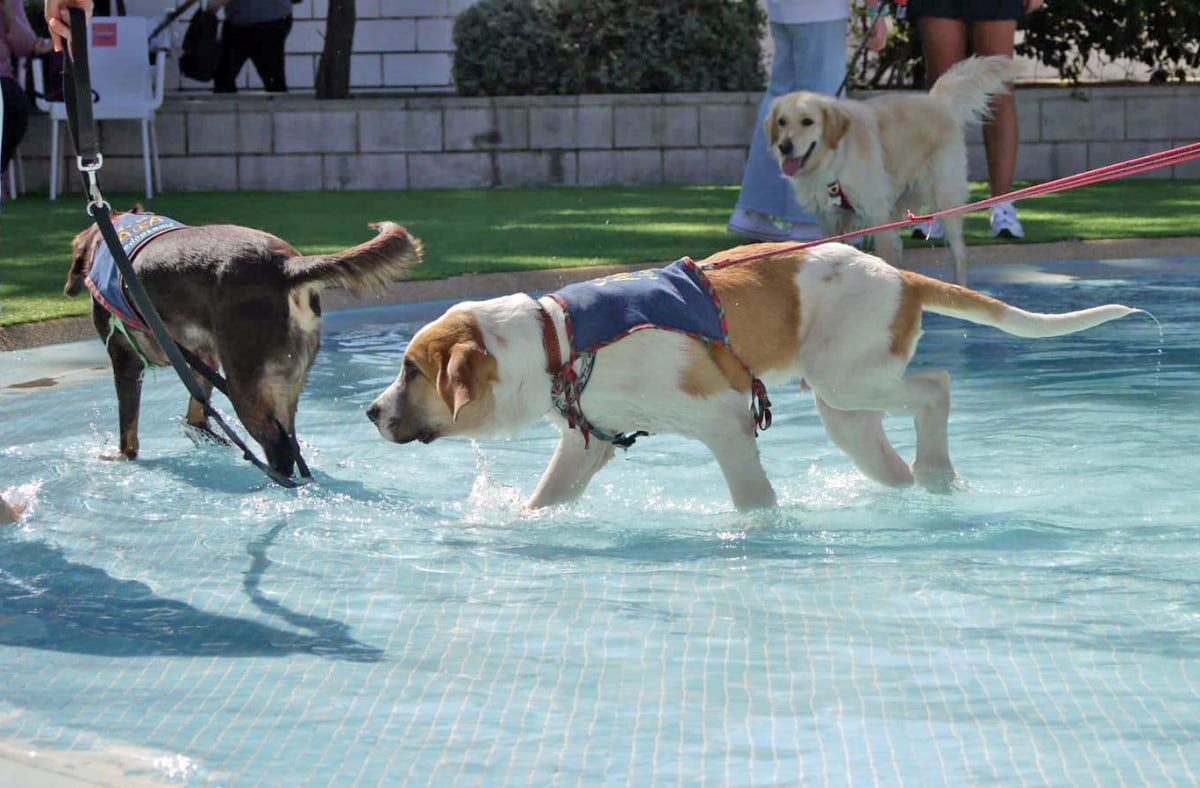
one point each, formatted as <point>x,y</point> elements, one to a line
<point>104,279</point>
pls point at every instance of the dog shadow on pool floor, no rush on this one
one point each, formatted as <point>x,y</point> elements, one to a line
<point>49,602</point>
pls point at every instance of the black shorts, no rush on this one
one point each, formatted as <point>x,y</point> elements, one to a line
<point>967,10</point>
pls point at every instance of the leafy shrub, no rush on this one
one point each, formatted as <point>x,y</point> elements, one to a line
<point>1067,35</point>
<point>512,47</point>
<point>1164,36</point>
<point>505,43</point>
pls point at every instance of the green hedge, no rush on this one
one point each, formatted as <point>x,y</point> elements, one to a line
<point>1162,36</point>
<point>520,47</point>
<point>513,47</point>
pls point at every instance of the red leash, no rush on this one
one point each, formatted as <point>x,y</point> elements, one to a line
<point>1109,172</point>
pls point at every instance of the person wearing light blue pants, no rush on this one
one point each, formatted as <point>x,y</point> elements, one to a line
<point>810,54</point>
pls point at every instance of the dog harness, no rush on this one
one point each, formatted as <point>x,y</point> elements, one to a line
<point>104,279</point>
<point>602,311</point>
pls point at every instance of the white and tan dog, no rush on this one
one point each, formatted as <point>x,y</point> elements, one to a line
<point>858,164</point>
<point>844,322</point>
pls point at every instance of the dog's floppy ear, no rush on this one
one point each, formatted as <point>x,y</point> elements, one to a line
<point>771,124</point>
<point>834,124</point>
<point>463,375</point>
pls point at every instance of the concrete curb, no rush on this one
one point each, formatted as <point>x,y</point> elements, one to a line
<point>70,329</point>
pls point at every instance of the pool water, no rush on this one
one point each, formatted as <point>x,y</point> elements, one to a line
<point>404,620</point>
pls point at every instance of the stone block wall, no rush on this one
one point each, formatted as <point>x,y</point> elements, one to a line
<point>399,45</point>
<point>297,143</point>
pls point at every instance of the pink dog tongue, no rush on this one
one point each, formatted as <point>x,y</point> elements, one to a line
<point>791,165</point>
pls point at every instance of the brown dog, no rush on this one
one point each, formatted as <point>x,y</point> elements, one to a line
<point>240,298</point>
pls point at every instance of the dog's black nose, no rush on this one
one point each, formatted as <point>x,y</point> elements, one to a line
<point>373,413</point>
<point>786,147</point>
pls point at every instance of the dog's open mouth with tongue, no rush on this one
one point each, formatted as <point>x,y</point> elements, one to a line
<point>792,164</point>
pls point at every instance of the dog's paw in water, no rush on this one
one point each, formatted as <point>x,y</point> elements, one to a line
<point>11,512</point>
<point>204,436</point>
<point>936,479</point>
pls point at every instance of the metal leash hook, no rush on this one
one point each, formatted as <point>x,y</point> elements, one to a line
<point>77,94</point>
<point>92,183</point>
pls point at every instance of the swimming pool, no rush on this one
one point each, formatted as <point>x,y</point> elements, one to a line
<point>403,619</point>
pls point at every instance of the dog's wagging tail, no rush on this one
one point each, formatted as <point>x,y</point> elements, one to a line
<point>243,300</point>
<point>369,266</point>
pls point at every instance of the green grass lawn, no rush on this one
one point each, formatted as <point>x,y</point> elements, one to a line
<point>481,231</point>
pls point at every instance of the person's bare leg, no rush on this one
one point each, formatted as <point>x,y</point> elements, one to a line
<point>943,43</point>
<point>1000,133</point>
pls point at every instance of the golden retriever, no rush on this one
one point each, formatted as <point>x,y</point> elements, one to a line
<point>843,321</point>
<point>857,164</point>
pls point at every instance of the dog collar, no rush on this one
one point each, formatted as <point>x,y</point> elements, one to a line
<point>550,340</point>
<point>837,196</point>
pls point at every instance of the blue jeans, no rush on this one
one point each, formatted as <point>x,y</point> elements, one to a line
<point>807,57</point>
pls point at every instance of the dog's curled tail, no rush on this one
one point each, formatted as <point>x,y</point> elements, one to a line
<point>370,265</point>
<point>943,298</point>
<point>968,86</point>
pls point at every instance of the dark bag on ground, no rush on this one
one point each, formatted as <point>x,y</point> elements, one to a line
<point>201,47</point>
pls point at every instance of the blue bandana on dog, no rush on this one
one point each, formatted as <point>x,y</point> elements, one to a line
<point>599,312</point>
<point>104,278</point>
<point>677,297</point>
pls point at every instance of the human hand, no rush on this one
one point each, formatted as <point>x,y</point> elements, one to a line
<point>878,36</point>
<point>58,19</point>
<point>1032,5</point>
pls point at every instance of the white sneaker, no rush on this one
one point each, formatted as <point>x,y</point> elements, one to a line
<point>756,226</point>
<point>928,231</point>
<point>1005,223</point>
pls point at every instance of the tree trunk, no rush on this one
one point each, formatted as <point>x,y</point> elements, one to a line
<point>333,71</point>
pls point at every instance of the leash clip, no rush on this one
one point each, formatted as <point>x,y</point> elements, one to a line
<point>95,198</point>
<point>90,166</point>
<point>760,406</point>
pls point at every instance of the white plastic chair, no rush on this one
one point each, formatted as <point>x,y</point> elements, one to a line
<point>14,183</point>
<point>13,167</point>
<point>127,85</point>
<point>16,172</point>
<point>16,176</point>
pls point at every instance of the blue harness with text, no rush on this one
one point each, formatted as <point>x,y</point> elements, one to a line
<point>104,278</point>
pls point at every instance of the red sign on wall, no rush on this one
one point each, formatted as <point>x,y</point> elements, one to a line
<point>104,34</point>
